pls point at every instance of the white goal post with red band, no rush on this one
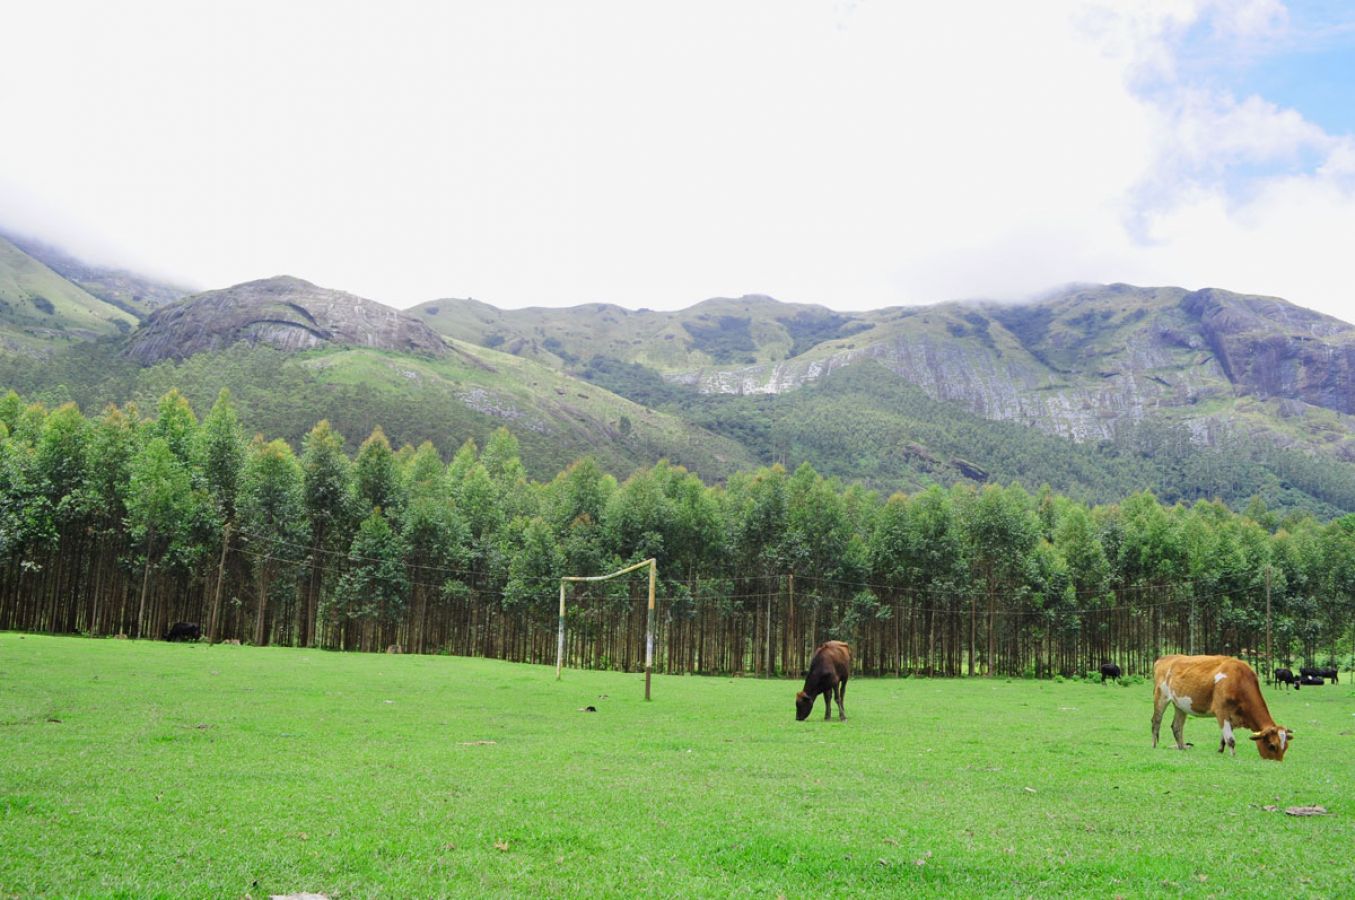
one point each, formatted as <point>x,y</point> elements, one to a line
<point>649,622</point>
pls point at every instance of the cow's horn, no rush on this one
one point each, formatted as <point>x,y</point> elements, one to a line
<point>1257,735</point>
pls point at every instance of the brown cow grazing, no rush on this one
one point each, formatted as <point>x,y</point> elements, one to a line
<point>828,673</point>
<point>1218,686</point>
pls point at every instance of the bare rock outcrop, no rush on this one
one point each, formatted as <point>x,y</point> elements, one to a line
<point>1270,348</point>
<point>285,312</point>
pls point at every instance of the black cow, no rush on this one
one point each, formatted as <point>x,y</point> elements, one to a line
<point>1310,680</point>
<point>1322,672</point>
<point>1109,670</point>
<point>1286,678</point>
<point>828,673</point>
<point>183,631</point>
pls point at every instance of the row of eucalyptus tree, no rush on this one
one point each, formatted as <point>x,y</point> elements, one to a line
<point>124,523</point>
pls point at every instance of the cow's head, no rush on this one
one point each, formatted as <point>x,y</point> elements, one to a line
<point>804,705</point>
<point>1273,741</point>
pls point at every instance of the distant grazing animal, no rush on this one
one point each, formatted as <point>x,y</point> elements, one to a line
<point>1218,686</point>
<point>1286,678</point>
<point>1309,681</point>
<point>1109,670</point>
<point>829,670</point>
<point>234,642</point>
<point>183,631</point>
<point>1322,672</point>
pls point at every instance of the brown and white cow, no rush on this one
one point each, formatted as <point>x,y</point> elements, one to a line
<point>1218,686</point>
<point>829,670</point>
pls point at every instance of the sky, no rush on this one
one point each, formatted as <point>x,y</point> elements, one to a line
<point>852,153</point>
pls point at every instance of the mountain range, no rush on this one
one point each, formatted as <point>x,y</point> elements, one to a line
<point>1097,390</point>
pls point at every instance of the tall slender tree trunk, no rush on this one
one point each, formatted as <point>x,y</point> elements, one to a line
<point>992,630</point>
<point>214,618</point>
<point>312,613</point>
<point>973,630</point>
<point>145,582</point>
<point>262,616</point>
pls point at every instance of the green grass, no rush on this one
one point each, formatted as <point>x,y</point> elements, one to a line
<point>150,769</point>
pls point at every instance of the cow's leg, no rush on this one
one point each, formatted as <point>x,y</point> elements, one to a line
<point>1159,705</point>
<point>1226,736</point>
<point>841,692</point>
<point>828,705</point>
<point>1179,728</point>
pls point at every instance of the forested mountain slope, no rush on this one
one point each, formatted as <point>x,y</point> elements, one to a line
<point>467,393</point>
<point>867,425</point>
<point>1087,362</point>
<point>1092,363</point>
<point>1196,394</point>
<point>1095,390</point>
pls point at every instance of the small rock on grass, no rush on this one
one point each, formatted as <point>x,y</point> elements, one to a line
<point>1306,811</point>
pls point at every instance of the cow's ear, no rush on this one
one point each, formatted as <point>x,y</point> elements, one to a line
<point>1289,732</point>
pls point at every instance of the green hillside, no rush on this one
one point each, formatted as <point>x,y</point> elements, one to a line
<point>1093,363</point>
<point>41,311</point>
<point>129,291</point>
<point>469,393</point>
<point>1095,390</point>
<point>721,331</point>
<point>1086,361</point>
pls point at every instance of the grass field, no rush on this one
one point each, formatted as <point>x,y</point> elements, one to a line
<point>149,769</point>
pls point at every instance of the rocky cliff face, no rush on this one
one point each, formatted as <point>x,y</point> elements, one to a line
<point>1269,348</point>
<point>1089,361</point>
<point>286,312</point>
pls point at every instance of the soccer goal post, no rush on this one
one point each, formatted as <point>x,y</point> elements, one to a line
<point>649,620</point>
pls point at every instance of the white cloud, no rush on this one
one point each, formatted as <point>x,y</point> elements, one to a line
<point>1240,193</point>
<point>857,154</point>
<point>1249,20</point>
<point>1213,132</point>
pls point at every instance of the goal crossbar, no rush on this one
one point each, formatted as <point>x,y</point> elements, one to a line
<point>649,621</point>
